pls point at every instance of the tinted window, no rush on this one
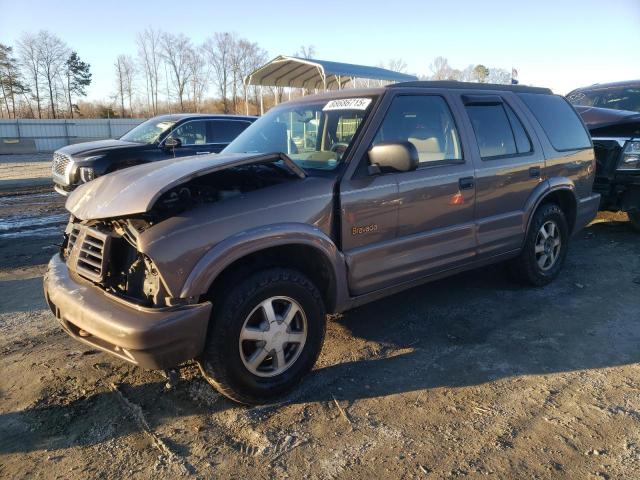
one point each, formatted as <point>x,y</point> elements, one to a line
<point>192,133</point>
<point>523,144</point>
<point>426,122</point>
<point>559,121</point>
<point>226,131</point>
<point>618,98</point>
<point>492,129</point>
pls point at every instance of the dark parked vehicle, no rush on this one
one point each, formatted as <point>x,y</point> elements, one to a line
<point>323,204</point>
<point>612,114</point>
<point>162,137</point>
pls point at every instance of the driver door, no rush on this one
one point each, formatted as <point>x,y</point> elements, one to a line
<point>403,226</point>
<point>194,136</point>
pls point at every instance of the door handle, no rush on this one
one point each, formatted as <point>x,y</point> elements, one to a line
<point>534,172</point>
<point>466,183</point>
<point>202,153</point>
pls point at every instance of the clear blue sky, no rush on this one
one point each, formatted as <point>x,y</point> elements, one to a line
<point>561,43</point>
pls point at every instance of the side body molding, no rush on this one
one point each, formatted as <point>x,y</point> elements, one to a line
<point>244,243</point>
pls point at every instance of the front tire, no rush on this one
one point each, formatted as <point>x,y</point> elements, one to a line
<point>634,218</point>
<point>545,247</point>
<point>264,336</point>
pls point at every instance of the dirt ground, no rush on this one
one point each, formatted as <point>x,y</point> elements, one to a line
<point>471,376</point>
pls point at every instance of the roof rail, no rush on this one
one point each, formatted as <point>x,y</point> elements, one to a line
<point>469,86</point>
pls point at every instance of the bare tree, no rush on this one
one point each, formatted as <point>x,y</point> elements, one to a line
<point>307,52</point>
<point>29,54</point>
<point>177,51</point>
<point>252,57</point>
<point>53,52</point>
<point>149,55</point>
<point>198,77</point>
<point>219,54</point>
<point>499,75</point>
<point>441,70</point>
<point>397,65</point>
<point>121,80</point>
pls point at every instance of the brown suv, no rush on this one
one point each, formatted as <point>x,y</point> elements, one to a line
<point>323,204</point>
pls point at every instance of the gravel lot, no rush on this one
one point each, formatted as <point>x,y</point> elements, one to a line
<point>466,377</point>
<point>24,171</point>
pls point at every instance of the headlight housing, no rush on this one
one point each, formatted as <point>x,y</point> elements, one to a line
<point>86,174</point>
<point>630,156</point>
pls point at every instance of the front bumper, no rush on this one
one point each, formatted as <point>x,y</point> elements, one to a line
<point>149,337</point>
<point>587,210</point>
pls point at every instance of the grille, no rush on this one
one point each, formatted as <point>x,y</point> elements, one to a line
<point>60,164</point>
<point>89,252</point>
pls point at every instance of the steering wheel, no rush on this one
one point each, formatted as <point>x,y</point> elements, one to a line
<point>339,147</point>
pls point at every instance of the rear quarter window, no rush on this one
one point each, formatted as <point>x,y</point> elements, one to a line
<point>558,120</point>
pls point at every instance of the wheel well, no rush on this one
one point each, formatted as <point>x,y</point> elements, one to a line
<point>566,200</point>
<point>303,258</point>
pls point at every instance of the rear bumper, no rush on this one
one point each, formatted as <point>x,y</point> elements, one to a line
<point>587,210</point>
<point>148,337</point>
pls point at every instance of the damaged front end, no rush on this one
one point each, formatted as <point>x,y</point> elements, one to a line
<point>109,253</point>
<point>106,253</point>
<point>109,285</point>
<point>616,143</point>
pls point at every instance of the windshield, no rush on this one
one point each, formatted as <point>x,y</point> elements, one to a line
<point>617,98</point>
<point>314,135</point>
<point>148,132</point>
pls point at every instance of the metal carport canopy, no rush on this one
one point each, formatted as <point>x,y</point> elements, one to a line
<point>284,71</point>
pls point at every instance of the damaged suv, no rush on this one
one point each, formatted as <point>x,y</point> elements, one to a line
<point>323,204</point>
<point>611,112</point>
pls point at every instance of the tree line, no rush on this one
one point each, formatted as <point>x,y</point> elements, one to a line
<point>42,77</point>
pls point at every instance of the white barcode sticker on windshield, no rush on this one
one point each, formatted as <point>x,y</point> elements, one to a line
<point>348,104</point>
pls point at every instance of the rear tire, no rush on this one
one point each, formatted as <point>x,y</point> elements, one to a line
<point>634,218</point>
<point>264,336</point>
<point>545,247</point>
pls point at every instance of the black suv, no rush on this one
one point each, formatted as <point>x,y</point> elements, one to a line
<point>160,138</point>
<point>612,114</point>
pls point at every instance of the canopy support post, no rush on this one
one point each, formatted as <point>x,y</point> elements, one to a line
<point>261,102</point>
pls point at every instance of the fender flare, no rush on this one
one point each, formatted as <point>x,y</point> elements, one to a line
<point>237,246</point>
<point>542,191</point>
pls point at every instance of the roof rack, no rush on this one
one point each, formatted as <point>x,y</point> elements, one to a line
<point>469,86</point>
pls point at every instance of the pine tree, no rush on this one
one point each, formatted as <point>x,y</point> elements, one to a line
<point>78,78</point>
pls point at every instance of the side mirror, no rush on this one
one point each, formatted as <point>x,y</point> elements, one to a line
<point>394,156</point>
<point>172,143</point>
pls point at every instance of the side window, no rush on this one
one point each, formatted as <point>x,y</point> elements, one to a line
<point>492,129</point>
<point>225,131</point>
<point>559,121</point>
<point>346,127</point>
<point>523,143</point>
<point>191,133</point>
<point>426,122</point>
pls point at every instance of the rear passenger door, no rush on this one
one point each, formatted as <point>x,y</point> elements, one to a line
<point>435,203</point>
<point>222,132</point>
<point>508,169</point>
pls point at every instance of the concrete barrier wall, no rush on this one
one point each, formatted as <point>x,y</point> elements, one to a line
<point>31,136</point>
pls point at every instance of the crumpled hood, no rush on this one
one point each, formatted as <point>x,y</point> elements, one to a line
<point>134,190</point>
<point>596,118</point>
<point>89,148</point>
